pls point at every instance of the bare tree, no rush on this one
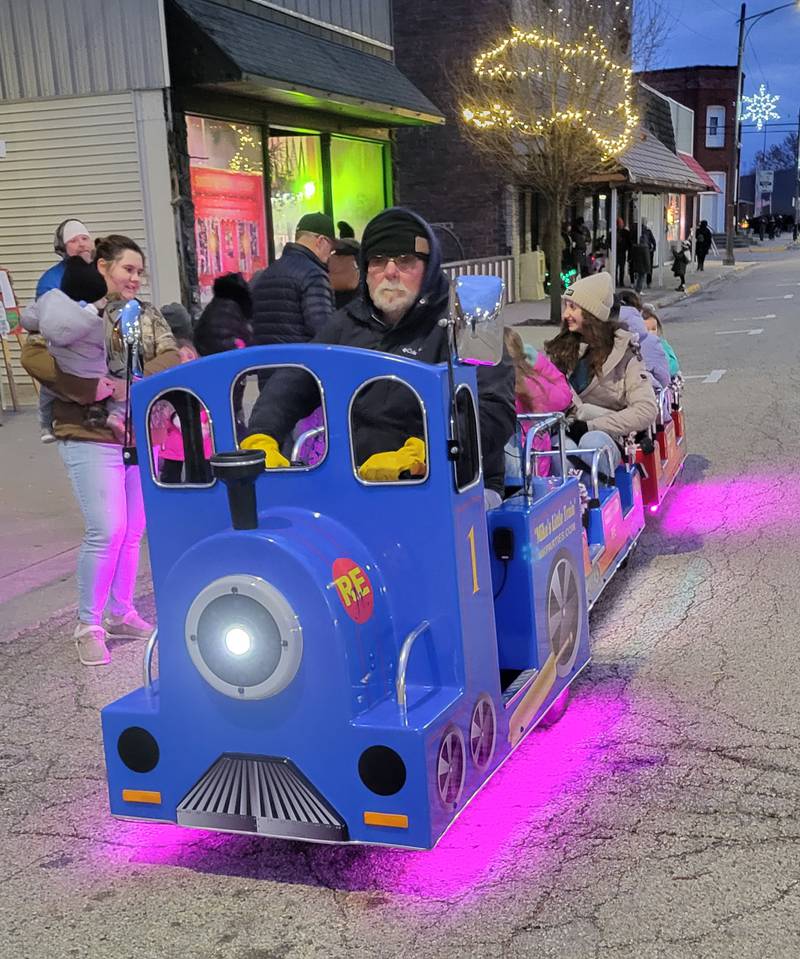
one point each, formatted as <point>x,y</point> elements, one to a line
<point>780,156</point>
<point>550,105</point>
<point>650,32</point>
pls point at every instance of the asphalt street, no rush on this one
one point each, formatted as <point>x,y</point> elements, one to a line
<point>659,818</point>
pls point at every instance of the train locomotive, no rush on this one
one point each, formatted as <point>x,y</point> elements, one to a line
<point>342,661</point>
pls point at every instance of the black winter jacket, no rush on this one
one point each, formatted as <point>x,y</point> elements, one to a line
<point>292,298</point>
<point>386,415</point>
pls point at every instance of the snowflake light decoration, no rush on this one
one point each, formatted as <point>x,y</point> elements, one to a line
<point>760,107</point>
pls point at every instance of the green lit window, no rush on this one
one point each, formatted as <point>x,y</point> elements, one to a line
<point>357,180</point>
<point>295,164</point>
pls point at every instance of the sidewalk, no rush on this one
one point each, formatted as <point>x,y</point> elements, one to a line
<point>40,527</point>
<point>537,312</point>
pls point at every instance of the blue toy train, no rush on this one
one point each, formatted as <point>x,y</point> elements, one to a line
<point>342,661</point>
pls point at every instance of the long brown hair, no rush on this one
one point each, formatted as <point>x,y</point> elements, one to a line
<point>597,334</point>
<point>523,370</point>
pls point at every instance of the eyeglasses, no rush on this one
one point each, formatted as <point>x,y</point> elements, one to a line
<point>404,263</point>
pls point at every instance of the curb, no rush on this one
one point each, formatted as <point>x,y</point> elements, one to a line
<point>693,288</point>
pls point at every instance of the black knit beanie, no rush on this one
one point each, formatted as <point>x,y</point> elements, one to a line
<point>393,233</point>
<point>82,281</point>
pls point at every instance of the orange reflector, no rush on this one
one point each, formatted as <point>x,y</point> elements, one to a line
<point>141,795</point>
<point>395,820</point>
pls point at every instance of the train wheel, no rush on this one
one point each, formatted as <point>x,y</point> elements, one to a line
<point>451,767</point>
<point>482,732</point>
<point>563,613</point>
<point>556,711</point>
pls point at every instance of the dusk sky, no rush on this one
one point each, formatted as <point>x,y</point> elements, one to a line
<point>707,32</point>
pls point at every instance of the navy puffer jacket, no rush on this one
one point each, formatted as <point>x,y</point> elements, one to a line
<point>292,298</point>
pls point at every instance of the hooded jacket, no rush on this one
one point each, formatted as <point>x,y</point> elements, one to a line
<point>653,353</point>
<point>292,298</point>
<point>386,414</point>
<point>75,334</point>
<point>622,390</point>
<point>74,394</point>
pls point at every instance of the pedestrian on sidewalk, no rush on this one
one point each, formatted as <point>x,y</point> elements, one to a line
<point>641,264</point>
<point>108,492</point>
<point>680,260</point>
<point>702,244</point>
<point>292,298</point>
<point>623,249</point>
<point>72,238</point>
<point>650,241</point>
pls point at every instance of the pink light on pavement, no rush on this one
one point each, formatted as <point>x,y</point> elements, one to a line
<point>732,505</point>
<point>514,829</point>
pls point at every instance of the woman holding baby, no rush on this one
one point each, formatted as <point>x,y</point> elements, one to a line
<point>86,414</point>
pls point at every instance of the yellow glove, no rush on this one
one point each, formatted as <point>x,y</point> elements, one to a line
<point>260,441</point>
<point>387,467</point>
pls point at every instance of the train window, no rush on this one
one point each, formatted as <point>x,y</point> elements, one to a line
<point>468,464</point>
<point>388,433</point>
<point>305,444</point>
<point>181,440</point>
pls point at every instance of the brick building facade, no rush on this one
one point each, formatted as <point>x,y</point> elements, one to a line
<point>437,171</point>
<point>711,92</point>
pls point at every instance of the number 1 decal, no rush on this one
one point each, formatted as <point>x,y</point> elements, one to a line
<point>474,558</point>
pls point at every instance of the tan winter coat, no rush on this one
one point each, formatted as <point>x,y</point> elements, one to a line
<point>623,392</point>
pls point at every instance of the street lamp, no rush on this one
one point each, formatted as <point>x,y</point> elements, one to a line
<point>733,208</point>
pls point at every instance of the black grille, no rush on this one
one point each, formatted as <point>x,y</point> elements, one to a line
<point>267,796</point>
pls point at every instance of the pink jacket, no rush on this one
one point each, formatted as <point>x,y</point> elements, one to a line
<point>551,393</point>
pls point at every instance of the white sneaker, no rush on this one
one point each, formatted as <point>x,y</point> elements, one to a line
<point>129,626</point>
<point>90,641</point>
<point>47,437</point>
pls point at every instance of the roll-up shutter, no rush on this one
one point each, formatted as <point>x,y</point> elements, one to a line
<point>66,157</point>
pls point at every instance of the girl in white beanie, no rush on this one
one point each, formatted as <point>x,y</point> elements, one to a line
<point>612,393</point>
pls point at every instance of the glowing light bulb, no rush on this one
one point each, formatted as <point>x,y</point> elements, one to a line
<point>238,641</point>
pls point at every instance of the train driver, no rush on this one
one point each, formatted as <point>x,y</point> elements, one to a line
<point>403,295</point>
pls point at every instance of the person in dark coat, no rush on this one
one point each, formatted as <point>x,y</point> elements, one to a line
<point>702,244</point>
<point>623,249</point>
<point>343,266</point>
<point>403,296</point>
<point>292,298</point>
<point>225,324</point>
<point>641,264</point>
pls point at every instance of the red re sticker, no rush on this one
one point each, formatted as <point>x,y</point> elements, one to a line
<point>354,588</point>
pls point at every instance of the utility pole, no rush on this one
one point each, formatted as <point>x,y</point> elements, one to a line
<point>733,188</point>
<point>797,182</point>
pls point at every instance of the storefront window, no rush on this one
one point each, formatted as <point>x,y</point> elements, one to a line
<point>672,215</point>
<point>227,174</point>
<point>295,183</point>
<point>357,180</point>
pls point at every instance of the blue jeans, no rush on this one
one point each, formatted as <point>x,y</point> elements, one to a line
<point>110,498</point>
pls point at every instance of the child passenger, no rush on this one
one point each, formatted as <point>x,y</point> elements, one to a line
<point>612,393</point>
<point>653,324</point>
<point>538,388</point>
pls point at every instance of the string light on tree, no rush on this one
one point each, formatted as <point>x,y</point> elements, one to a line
<point>612,129</point>
<point>760,108</point>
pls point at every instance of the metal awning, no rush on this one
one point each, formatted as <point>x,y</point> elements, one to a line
<point>648,163</point>
<point>694,166</point>
<point>278,63</point>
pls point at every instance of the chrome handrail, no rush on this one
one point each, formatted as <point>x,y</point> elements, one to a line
<point>147,666</point>
<point>307,435</point>
<point>546,421</point>
<point>597,454</point>
<point>402,667</point>
<point>664,397</point>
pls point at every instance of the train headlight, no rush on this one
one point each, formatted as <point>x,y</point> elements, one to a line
<point>238,641</point>
<point>244,638</point>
